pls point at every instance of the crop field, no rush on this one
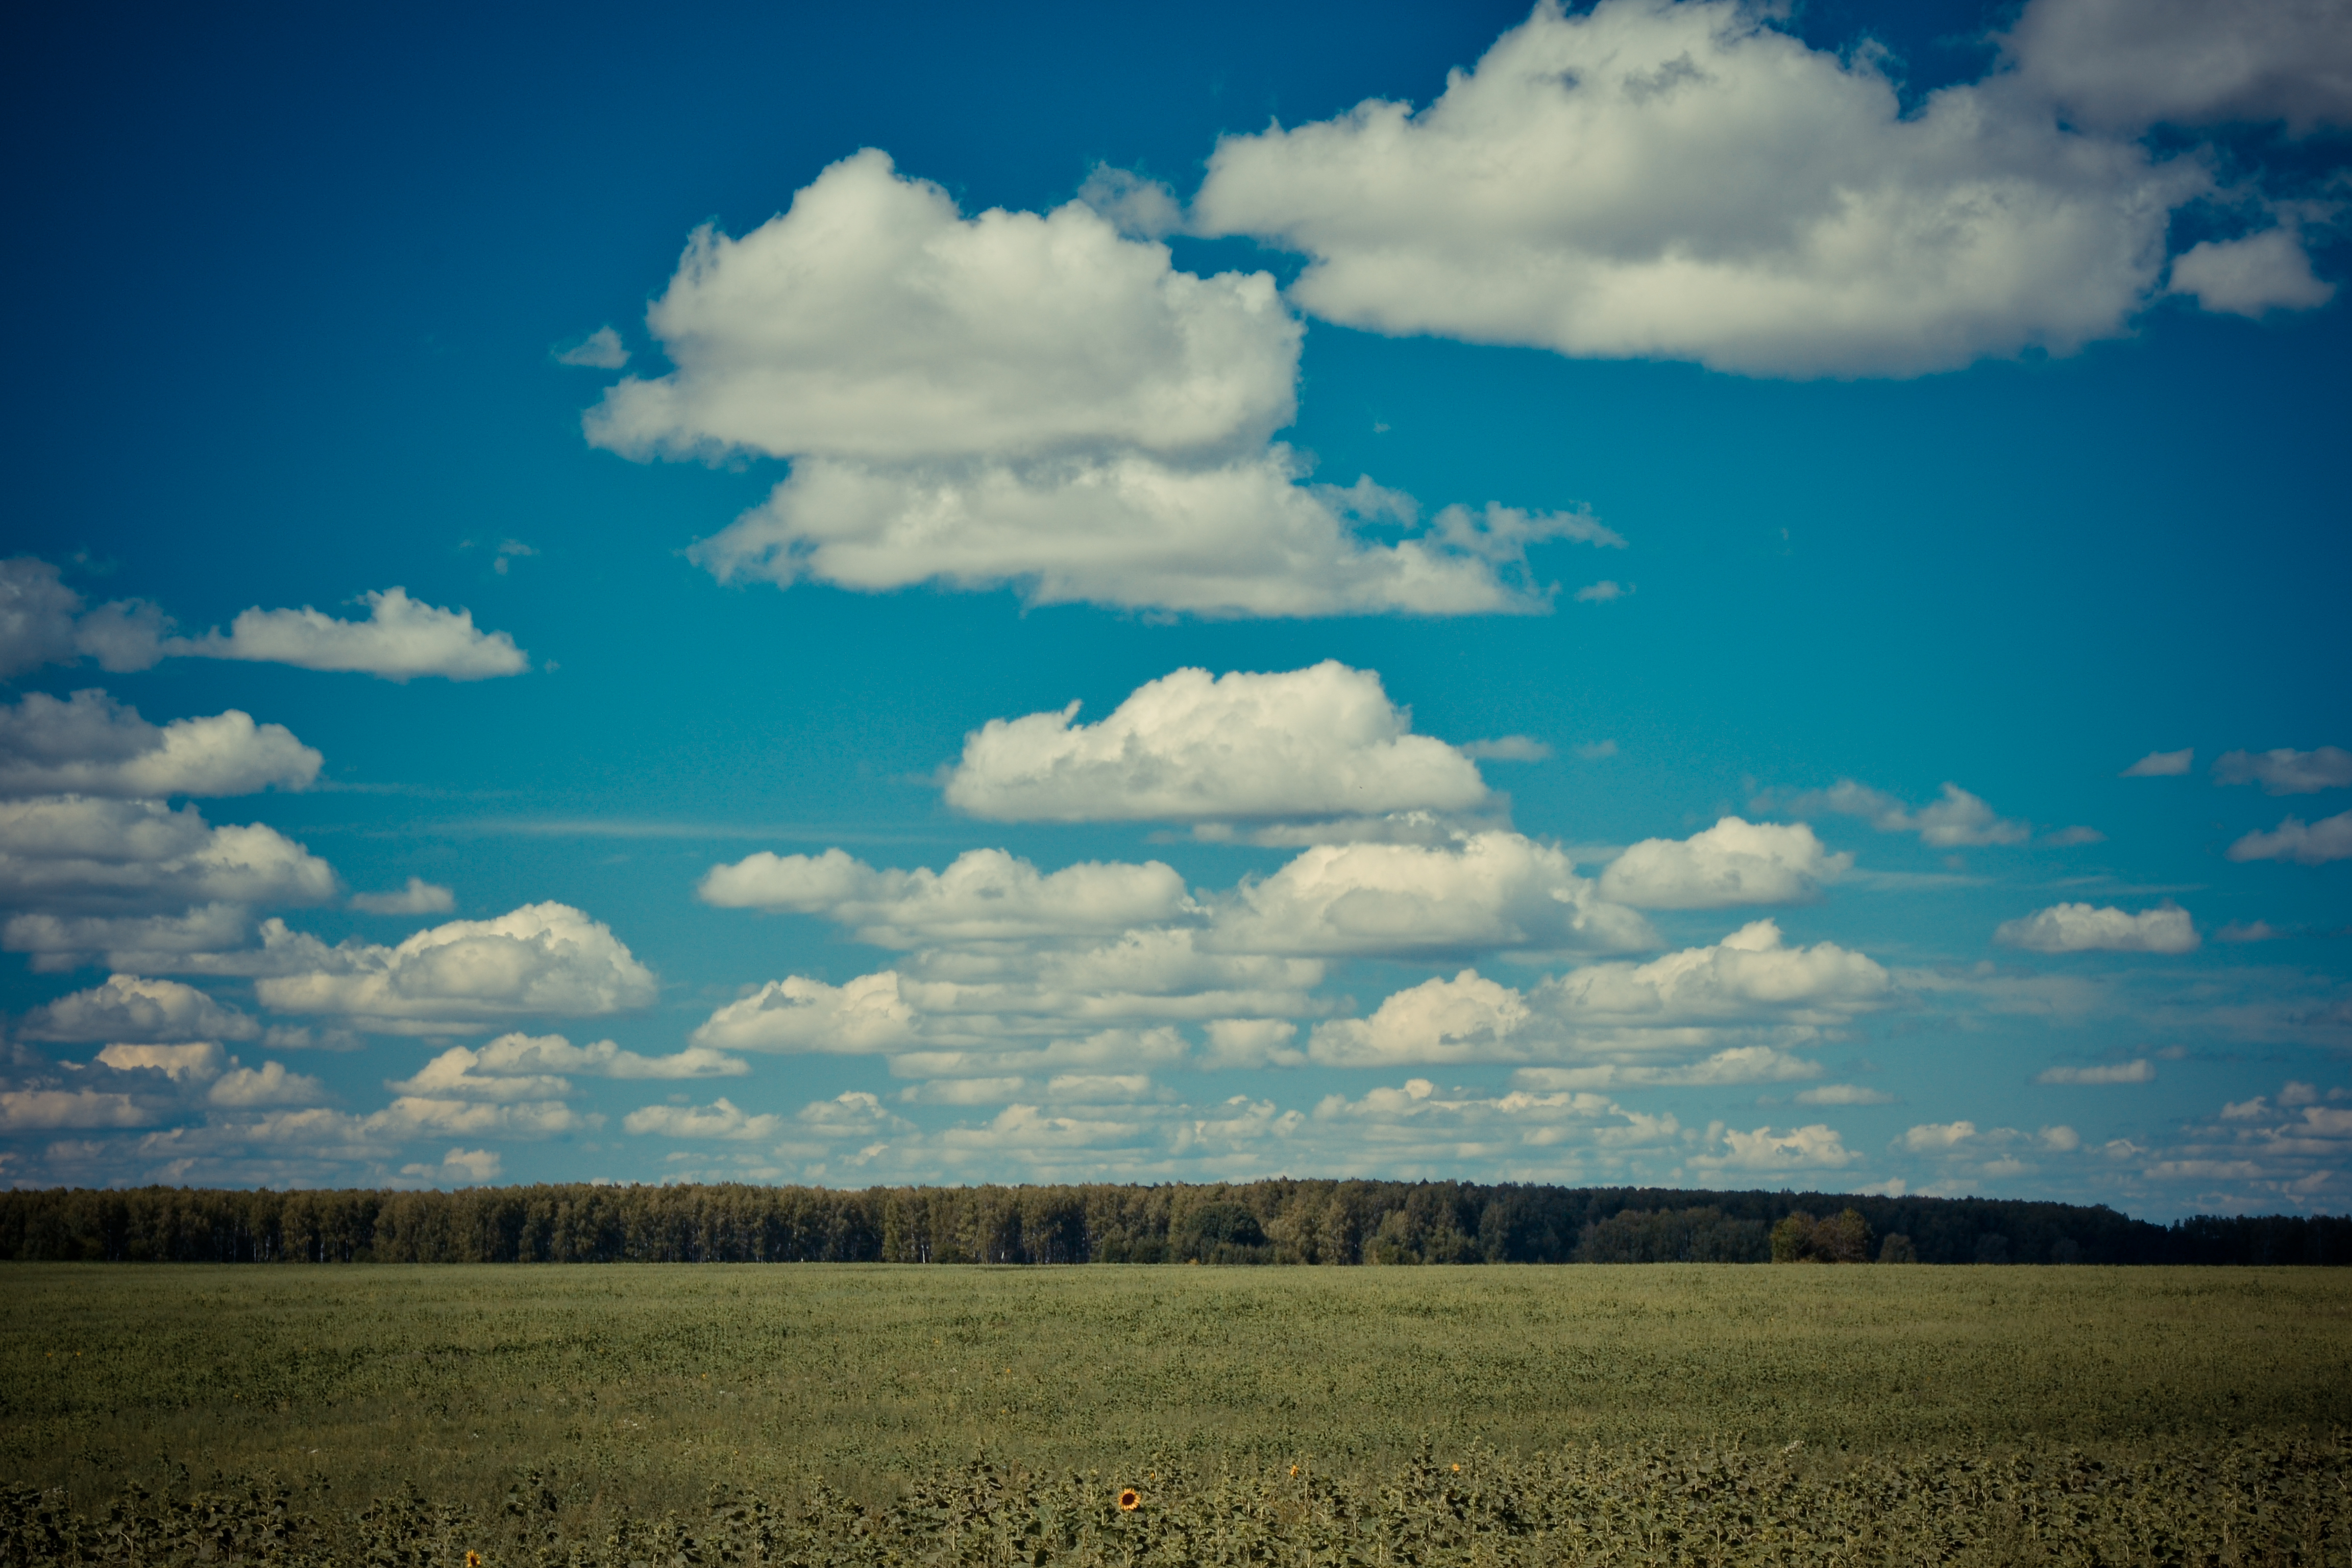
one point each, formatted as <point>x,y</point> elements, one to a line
<point>1662,1413</point>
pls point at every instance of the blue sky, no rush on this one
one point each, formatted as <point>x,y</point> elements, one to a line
<point>1656,592</point>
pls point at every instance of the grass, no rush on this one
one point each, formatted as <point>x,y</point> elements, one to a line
<point>643,1384</point>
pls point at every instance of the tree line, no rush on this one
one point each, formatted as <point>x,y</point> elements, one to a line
<point>1271,1222</point>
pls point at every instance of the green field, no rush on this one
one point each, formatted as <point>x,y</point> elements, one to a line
<point>634,1388</point>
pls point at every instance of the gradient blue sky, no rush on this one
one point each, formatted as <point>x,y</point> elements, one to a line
<point>1958,380</point>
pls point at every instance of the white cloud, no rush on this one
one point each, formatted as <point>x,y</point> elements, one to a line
<point>1487,891</point>
<point>2250,276</point>
<point>2286,771</point>
<point>1682,1003</point>
<point>2086,928</point>
<point>2330,838</point>
<point>68,853</point>
<point>2125,65</point>
<point>1935,1137</point>
<point>127,1007</point>
<point>1736,1065</point>
<point>873,322</point>
<point>968,1091</point>
<point>1106,1048</point>
<point>1251,1043</point>
<point>528,1053</point>
<point>1734,862</point>
<point>189,942</point>
<point>413,1116</point>
<point>460,1166</point>
<point>518,1067</point>
<point>1137,208</point>
<point>1600,592</point>
<point>600,350</point>
<point>1415,1122</point>
<point>400,639</point>
<point>2249,930</point>
<point>2142,1071</point>
<point>418,898</point>
<point>1843,1094</point>
<point>36,616</point>
<point>1814,1148</point>
<point>1689,181</point>
<point>48,1109</point>
<point>545,958</point>
<point>2161,764</point>
<point>1190,747</point>
<point>92,745</point>
<point>1955,821</point>
<point>271,1084</point>
<point>199,1061</point>
<point>453,1075</point>
<point>1026,398</point>
<point>1243,538</point>
<point>796,1014</point>
<point>986,895</point>
<point>719,1119</point>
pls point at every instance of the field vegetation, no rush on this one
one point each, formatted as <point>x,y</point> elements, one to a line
<point>1659,1414</point>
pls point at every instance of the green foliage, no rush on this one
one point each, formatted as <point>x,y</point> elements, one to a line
<point>1221,1233</point>
<point>1897,1248</point>
<point>1673,1236</point>
<point>1317,1222</point>
<point>1840,1238</point>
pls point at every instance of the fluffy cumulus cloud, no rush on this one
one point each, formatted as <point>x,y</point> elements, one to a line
<point>92,745</point>
<point>1955,820</point>
<point>1734,862</point>
<point>2124,65</point>
<point>54,1110</point>
<point>1688,181</point>
<point>400,639</point>
<point>1027,398</point>
<point>1193,747</point>
<point>2252,276</point>
<point>985,894</point>
<point>68,853</point>
<point>128,1007</point>
<point>518,1067</point>
<point>545,958</point>
<point>2286,771</point>
<point>719,1119</point>
<point>2089,927</point>
<point>1686,1002</point>
<point>1818,1147</point>
<point>1488,890</point>
<point>866,1015</point>
<point>36,616</point>
<point>42,621</point>
<point>2311,843</point>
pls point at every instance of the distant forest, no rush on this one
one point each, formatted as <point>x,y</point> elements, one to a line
<point>1301,1222</point>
